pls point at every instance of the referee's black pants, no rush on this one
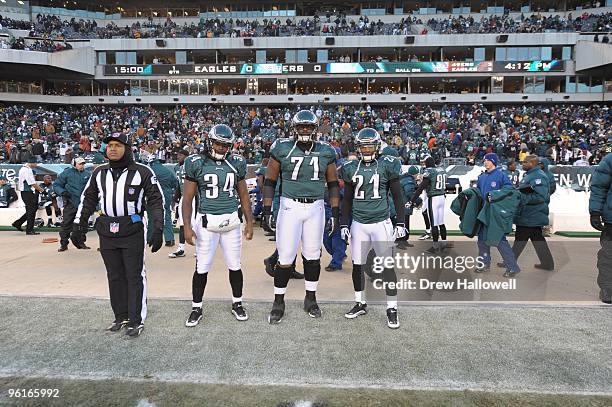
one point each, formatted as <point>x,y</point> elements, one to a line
<point>604,259</point>
<point>525,233</point>
<point>125,269</point>
<point>67,221</point>
<point>31,206</point>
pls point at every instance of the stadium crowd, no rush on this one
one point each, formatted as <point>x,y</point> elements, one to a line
<point>49,26</point>
<point>566,134</point>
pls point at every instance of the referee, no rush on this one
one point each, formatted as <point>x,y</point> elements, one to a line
<point>124,188</point>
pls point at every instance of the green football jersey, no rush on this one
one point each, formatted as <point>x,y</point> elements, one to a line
<point>413,157</point>
<point>302,172</point>
<point>217,182</point>
<point>371,185</point>
<point>437,181</point>
<point>179,172</point>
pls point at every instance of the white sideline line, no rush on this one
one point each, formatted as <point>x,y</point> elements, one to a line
<point>241,381</point>
<point>459,304</point>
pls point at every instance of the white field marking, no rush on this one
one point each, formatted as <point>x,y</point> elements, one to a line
<point>144,403</point>
<point>449,385</point>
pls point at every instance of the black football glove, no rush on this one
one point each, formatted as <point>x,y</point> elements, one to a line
<point>156,240</point>
<point>268,220</point>
<point>333,224</point>
<point>77,237</point>
<point>596,221</point>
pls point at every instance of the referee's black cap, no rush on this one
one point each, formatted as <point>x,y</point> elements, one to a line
<point>120,137</point>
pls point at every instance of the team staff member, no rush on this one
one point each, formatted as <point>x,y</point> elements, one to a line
<point>533,213</point>
<point>69,185</point>
<point>600,209</point>
<point>124,189</point>
<point>167,181</point>
<point>27,185</point>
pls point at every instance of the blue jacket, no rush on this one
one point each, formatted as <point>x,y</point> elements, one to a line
<point>72,182</point>
<point>535,197</point>
<point>601,192</point>
<point>492,181</point>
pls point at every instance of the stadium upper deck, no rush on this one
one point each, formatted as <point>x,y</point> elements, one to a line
<point>381,55</point>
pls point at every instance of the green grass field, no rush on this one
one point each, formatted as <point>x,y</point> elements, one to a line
<point>147,392</point>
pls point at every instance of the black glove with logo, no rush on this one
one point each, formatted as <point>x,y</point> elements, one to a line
<point>596,221</point>
<point>268,220</point>
<point>156,240</point>
<point>77,237</point>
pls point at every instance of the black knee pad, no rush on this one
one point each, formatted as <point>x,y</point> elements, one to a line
<point>281,275</point>
<point>358,280</point>
<point>312,269</point>
<point>389,276</point>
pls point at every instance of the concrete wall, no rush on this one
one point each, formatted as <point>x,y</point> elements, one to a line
<point>379,41</point>
<point>503,98</point>
<point>591,54</point>
<point>79,60</point>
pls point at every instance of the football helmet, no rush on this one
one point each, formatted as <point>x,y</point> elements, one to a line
<point>221,134</point>
<point>305,124</point>
<point>368,144</point>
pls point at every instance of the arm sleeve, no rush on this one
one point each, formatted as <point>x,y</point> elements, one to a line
<point>89,200</point>
<point>347,203</point>
<point>398,199</point>
<point>242,168</point>
<point>600,186</point>
<point>59,184</point>
<point>154,198</point>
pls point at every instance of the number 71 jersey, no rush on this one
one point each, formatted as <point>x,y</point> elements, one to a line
<point>302,172</point>
<point>371,185</point>
<point>217,180</point>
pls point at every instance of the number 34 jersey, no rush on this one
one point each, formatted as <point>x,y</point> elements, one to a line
<point>302,172</point>
<point>371,185</point>
<point>217,180</point>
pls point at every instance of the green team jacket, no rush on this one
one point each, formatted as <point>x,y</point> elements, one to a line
<point>498,212</point>
<point>533,211</point>
<point>467,205</point>
<point>601,192</point>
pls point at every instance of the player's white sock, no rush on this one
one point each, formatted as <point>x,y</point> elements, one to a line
<point>311,285</point>
<point>181,247</point>
<point>196,305</point>
<point>392,302</point>
<point>279,290</point>
<point>236,299</point>
<point>359,296</point>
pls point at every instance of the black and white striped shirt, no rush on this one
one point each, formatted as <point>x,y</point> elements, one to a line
<point>122,192</point>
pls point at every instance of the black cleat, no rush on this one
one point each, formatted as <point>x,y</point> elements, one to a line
<point>359,308</point>
<point>134,331</point>
<point>239,311</point>
<point>296,275</point>
<point>117,325</point>
<point>276,315</point>
<point>178,253</point>
<point>392,320</point>
<point>311,307</point>
<point>425,236</point>
<point>195,317</point>
<point>269,267</point>
<point>605,295</point>
<point>16,226</point>
<point>62,248</point>
<point>543,267</point>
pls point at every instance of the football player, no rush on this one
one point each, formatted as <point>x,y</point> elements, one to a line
<point>513,174</point>
<point>218,178</point>
<point>303,165</point>
<point>179,172</point>
<point>434,185</point>
<point>367,183</point>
